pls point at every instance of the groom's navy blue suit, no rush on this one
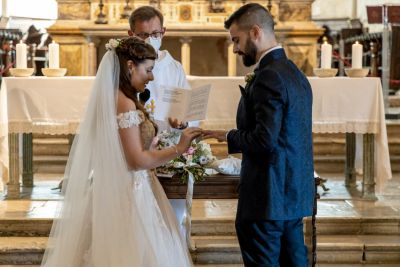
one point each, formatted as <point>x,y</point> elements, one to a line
<point>276,187</point>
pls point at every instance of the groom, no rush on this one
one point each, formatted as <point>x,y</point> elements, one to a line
<point>274,135</point>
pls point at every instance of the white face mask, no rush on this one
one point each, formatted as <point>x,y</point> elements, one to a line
<point>154,42</point>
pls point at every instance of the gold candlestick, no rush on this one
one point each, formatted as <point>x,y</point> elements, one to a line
<point>101,17</point>
<point>127,10</point>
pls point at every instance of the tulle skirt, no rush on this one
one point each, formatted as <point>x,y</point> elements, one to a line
<point>159,221</point>
<point>158,242</point>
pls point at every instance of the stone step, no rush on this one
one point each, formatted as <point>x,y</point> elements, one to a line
<point>51,146</point>
<point>216,250</point>
<point>394,100</point>
<point>395,163</point>
<point>225,250</point>
<point>49,164</point>
<point>329,163</point>
<point>226,226</point>
<point>322,163</point>
<point>22,250</point>
<point>325,226</point>
<point>330,249</point>
<point>394,147</point>
<point>336,163</point>
<point>318,265</point>
<point>47,136</point>
<point>25,227</point>
<point>241,265</point>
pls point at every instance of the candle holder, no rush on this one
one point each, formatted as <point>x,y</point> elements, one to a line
<point>101,17</point>
<point>216,6</point>
<point>325,73</point>
<point>19,72</point>
<point>356,73</point>
<point>127,10</point>
<point>60,72</point>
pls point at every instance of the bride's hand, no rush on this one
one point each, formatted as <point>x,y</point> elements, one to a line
<point>186,138</point>
<point>154,143</point>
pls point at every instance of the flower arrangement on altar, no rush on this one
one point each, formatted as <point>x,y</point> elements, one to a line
<point>193,162</point>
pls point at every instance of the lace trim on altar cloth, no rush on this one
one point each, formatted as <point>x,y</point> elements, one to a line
<point>346,127</point>
<point>47,127</point>
<point>130,118</point>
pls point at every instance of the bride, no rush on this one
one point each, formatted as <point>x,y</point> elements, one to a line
<point>115,212</point>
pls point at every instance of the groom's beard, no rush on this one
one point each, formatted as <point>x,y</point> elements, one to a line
<point>249,54</point>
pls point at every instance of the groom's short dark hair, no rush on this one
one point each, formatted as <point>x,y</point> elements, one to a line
<point>249,15</point>
<point>144,13</point>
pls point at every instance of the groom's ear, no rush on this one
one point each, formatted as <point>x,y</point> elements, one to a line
<point>255,32</point>
<point>130,32</point>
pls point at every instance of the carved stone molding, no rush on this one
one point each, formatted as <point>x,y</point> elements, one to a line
<point>73,9</point>
<point>295,10</point>
<point>81,40</point>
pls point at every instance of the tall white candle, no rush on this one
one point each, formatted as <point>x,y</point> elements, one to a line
<point>356,55</point>
<point>54,55</point>
<point>21,56</point>
<point>326,56</point>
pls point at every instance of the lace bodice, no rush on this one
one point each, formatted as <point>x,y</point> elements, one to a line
<point>137,118</point>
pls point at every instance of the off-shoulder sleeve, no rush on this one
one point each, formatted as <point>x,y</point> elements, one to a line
<point>130,118</point>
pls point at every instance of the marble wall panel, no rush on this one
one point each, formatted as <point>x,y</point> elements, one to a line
<point>73,10</point>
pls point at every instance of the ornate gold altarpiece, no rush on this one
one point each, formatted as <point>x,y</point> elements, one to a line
<point>192,26</point>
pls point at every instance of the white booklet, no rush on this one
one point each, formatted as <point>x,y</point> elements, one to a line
<point>182,104</point>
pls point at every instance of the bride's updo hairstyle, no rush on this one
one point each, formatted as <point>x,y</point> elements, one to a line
<point>135,49</point>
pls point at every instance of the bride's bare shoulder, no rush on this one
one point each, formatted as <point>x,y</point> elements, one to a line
<point>124,103</point>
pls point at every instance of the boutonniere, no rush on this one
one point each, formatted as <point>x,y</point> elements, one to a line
<point>249,77</point>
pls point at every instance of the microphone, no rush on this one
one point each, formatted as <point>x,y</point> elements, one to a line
<point>144,96</point>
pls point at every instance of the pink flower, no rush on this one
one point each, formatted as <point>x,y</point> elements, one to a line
<point>155,141</point>
<point>190,151</point>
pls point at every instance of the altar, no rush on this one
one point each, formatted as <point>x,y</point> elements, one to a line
<point>56,106</point>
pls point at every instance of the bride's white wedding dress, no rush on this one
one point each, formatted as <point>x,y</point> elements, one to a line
<point>111,216</point>
<point>157,215</point>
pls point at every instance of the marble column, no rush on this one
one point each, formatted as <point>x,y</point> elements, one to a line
<point>350,170</point>
<point>185,51</point>
<point>231,59</point>
<point>368,188</point>
<point>27,160</point>
<point>93,43</point>
<point>13,186</point>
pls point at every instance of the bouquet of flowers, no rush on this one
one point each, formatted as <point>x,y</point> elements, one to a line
<point>194,161</point>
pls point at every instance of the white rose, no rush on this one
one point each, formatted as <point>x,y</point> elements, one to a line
<point>178,165</point>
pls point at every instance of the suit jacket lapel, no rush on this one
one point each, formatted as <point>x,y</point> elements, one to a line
<point>243,90</point>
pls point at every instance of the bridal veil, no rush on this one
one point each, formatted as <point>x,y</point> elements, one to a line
<point>95,224</point>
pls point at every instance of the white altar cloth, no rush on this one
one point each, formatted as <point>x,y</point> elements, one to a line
<point>56,106</point>
<point>40,105</point>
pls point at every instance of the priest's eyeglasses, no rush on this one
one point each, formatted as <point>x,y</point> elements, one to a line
<point>145,35</point>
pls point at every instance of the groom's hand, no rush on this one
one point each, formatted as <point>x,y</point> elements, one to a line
<point>219,135</point>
